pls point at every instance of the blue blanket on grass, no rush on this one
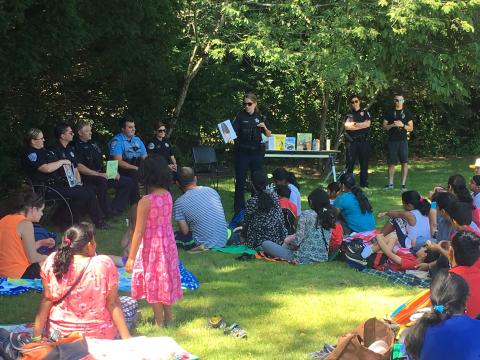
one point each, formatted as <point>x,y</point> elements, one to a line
<point>19,286</point>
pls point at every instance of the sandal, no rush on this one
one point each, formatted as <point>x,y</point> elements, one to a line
<point>236,331</point>
<point>216,322</point>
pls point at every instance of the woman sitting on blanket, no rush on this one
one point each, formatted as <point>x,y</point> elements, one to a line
<point>356,213</point>
<point>18,249</point>
<point>263,216</point>
<point>412,225</point>
<point>445,332</point>
<point>311,241</point>
<point>80,290</point>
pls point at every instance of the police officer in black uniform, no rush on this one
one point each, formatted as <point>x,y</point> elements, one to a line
<point>46,167</point>
<point>90,166</point>
<point>249,150</point>
<point>357,128</point>
<point>161,146</point>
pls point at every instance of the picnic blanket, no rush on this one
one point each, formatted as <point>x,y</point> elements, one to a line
<point>400,278</point>
<point>236,249</point>
<point>19,286</point>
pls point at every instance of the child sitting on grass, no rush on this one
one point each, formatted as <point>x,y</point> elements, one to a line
<point>333,190</point>
<point>412,225</point>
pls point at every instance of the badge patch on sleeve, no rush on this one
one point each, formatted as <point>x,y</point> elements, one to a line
<point>32,157</point>
<point>151,146</point>
<point>113,144</point>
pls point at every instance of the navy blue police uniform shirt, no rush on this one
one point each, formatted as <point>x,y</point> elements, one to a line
<point>396,133</point>
<point>249,135</point>
<point>67,152</point>
<point>359,116</point>
<point>33,158</point>
<point>160,147</point>
<point>89,154</point>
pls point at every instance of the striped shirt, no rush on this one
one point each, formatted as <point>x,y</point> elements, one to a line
<point>201,208</point>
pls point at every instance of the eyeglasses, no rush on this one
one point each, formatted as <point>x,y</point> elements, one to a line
<point>247,104</point>
<point>354,102</point>
<point>161,130</point>
<point>40,139</point>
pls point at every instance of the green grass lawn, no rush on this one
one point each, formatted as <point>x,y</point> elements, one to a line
<point>288,311</point>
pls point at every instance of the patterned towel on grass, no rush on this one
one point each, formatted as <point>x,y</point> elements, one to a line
<point>189,281</point>
<point>236,249</point>
<point>19,286</point>
<point>400,278</point>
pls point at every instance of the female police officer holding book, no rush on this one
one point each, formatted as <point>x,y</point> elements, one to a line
<point>249,150</point>
<point>357,129</point>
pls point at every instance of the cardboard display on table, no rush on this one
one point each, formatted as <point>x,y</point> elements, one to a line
<point>226,130</point>
<point>304,141</point>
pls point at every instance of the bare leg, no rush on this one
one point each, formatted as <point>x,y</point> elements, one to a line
<point>158,314</point>
<point>389,240</point>
<point>387,228</point>
<point>404,173</point>
<point>391,172</point>
<point>168,311</point>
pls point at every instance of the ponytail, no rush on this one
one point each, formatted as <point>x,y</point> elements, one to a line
<point>74,241</point>
<point>365,205</point>
<point>326,213</point>
<point>418,202</point>
<point>293,180</point>
<point>459,188</point>
<point>448,294</point>
<point>281,174</point>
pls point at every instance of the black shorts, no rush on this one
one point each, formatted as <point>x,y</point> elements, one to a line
<point>32,272</point>
<point>397,151</point>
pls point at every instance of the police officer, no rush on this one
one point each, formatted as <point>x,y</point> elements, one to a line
<point>397,122</point>
<point>45,167</point>
<point>90,166</point>
<point>357,128</point>
<point>160,145</point>
<point>249,151</point>
<point>129,150</point>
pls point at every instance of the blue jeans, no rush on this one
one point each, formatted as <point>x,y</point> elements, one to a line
<point>275,250</point>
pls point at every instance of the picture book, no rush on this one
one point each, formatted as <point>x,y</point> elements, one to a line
<point>70,174</point>
<point>279,142</point>
<point>290,143</point>
<point>112,169</point>
<point>304,141</point>
<point>227,132</point>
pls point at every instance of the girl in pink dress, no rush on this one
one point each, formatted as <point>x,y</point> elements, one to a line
<point>153,258</point>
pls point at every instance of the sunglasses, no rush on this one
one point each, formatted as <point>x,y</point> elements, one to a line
<point>398,100</point>
<point>247,104</point>
<point>161,130</point>
<point>354,102</point>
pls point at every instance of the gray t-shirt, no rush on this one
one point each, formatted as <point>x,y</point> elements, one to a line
<point>201,208</point>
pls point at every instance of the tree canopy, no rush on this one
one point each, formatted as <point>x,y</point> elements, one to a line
<point>188,62</point>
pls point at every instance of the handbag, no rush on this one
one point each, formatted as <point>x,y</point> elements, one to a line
<point>354,346</point>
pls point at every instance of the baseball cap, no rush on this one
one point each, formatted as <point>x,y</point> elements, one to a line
<point>477,164</point>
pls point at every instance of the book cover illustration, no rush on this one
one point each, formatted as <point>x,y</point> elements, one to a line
<point>279,142</point>
<point>226,130</point>
<point>290,143</point>
<point>70,174</point>
<point>304,141</point>
<point>112,169</point>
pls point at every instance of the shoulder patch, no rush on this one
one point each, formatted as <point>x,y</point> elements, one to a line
<point>113,144</point>
<point>32,157</point>
<point>151,146</point>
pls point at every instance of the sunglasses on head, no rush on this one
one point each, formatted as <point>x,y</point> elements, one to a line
<point>354,102</point>
<point>161,130</point>
<point>247,104</point>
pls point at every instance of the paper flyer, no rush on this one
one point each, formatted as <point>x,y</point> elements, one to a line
<point>112,169</point>
<point>227,132</point>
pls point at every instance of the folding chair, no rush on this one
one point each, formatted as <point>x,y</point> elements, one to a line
<point>205,162</point>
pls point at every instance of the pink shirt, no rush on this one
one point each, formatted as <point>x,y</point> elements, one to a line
<point>84,309</point>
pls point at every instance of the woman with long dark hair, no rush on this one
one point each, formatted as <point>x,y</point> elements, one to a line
<point>263,217</point>
<point>356,213</point>
<point>80,290</point>
<point>311,241</point>
<point>249,125</point>
<point>445,332</point>
<point>18,249</point>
